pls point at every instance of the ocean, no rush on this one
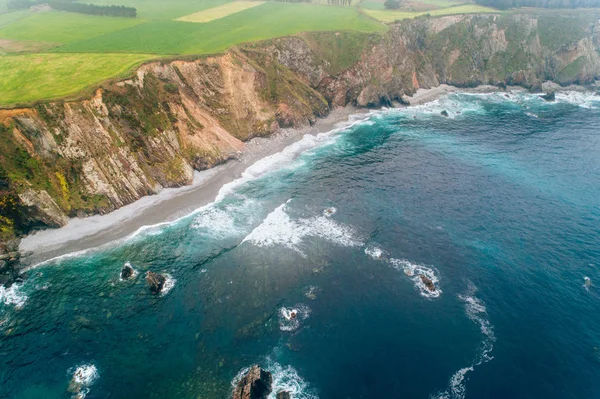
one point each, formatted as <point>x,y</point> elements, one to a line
<point>423,256</point>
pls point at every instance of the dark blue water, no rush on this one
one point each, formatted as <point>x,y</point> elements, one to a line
<point>498,206</point>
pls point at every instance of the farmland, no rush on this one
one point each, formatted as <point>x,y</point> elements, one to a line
<point>52,54</point>
<point>46,54</point>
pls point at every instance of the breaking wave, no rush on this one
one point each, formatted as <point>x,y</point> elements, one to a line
<point>82,379</point>
<point>169,284</point>
<point>287,379</point>
<point>279,229</point>
<point>477,313</point>
<point>424,277</point>
<point>291,319</point>
<point>13,296</point>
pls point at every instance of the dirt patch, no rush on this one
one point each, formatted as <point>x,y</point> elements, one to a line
<point>8,46</point>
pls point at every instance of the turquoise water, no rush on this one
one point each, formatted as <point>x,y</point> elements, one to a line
<point>498,205</point>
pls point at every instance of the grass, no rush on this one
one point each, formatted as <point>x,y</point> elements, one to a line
<point>63,27</point>
<point>391,16</point>
<point>220,11</point>
<point>32,77</point>
<point>266,21</point>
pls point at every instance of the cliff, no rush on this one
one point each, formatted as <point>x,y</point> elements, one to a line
<point>132,138</point>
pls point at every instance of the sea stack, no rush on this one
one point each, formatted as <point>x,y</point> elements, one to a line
<point>549,96</point>
<point>428,283</point>
<point>255,384</point>
<point>155,282</point>
<point>283,395</point>
<point>126,271</point>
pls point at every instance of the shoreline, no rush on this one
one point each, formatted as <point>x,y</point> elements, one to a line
<point>81,234</point>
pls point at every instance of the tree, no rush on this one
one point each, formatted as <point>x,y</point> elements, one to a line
<point>392,4</point>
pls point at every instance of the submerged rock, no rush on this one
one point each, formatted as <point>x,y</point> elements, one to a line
<point>444,113</point>
<point>428,283</point>
<point>548,96</point>
<point>283,395</point>
<point>255,384</point>
<point>155,281</point>
<point>127,271</point>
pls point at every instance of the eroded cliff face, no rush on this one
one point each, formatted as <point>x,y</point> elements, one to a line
<point>135,137</point>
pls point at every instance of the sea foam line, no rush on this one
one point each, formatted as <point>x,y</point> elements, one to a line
<point>476,311</point>
<point>13,295</point>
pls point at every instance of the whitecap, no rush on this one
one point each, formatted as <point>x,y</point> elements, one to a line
<point>168,285</point>
<point>311,292</point>
<point>376,252</point>
<point>329,212</point>
<point>418,273</point>
<point>287,379</point>
<point>279,229</point>
<point>584,99</point>
<point>13,296</point>
<point>82,379</point>
<point>476,311</point>
<point>587,282</point>
<point>291,319</point>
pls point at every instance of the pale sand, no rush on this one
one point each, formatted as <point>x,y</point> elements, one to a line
<point>427,95</point>
<point>170,204</point>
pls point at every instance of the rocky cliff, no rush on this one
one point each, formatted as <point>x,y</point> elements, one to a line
<point>132,138</point>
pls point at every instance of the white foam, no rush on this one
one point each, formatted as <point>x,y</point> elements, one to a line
<point>287,379</point>
<point>415,271</point>
<point>83,378</point>
<point>168,285</point>
<point>329,212</point>
<point>375,252</point>
<point>476,312</point>
<point>584,99</point>
<point>279,229</point>
<point>13,296</point>
<point>291,319</point>
<point>225,221</point>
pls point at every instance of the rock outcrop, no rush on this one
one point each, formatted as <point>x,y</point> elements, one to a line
<point>283,395</point>
<point>127,271</point>
<point>155,281</point>
<point>255,384</point>
<point>428,282</point>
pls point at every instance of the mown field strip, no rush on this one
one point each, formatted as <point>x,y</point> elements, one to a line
<point>219,12</point>
<point>391,16</point>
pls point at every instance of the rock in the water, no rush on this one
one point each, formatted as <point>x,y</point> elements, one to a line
<point>256,384</point>
<point>428,283</point>
<point>549,96</point>
<point>444,113</point>
<point>126,271</point>
<point>283,395</point>
<point>155,281</point>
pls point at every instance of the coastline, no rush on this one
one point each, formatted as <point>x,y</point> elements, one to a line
<point>82,234</point>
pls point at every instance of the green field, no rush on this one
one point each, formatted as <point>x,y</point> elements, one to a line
<point>32,77</point>
<point>52,54</point>
<point>391,16</point>
<point>262,22</point>
<point>63,27</point>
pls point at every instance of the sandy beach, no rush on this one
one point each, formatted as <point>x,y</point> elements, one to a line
<point>170,204</point>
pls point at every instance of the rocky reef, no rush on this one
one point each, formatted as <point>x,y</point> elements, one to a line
<point>134,137</point>
<point>256,383</point>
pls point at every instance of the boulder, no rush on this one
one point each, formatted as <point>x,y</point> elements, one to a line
<point>127,271</point>
<point>444,113</point>
<point>283,395</point>
<point>14,255</point>
<point>548,96</point>
<point>155,281</point>
<point>4,257</point>
<point>3,265</point>
<point>255,384</point>
<point>13,245</point>
<point>428,283</point>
